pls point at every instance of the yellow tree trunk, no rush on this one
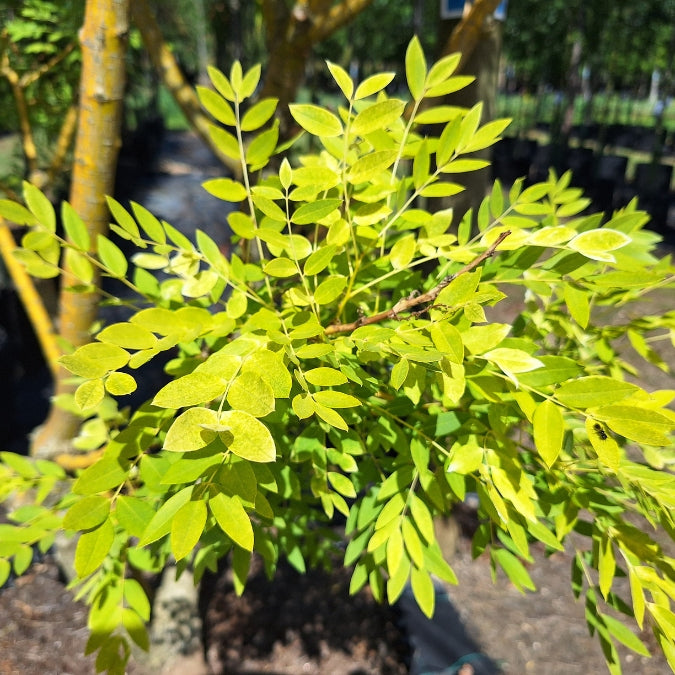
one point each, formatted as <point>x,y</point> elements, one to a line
<point>104,41</point>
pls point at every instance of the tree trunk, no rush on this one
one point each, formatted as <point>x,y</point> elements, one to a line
<point>478,37</point>
<point>290,35</point>
<point>104,41</point>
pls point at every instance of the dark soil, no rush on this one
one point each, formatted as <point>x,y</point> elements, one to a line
<point>309,624</point>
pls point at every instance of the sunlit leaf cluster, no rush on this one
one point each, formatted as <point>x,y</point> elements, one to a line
<point>348,360</point>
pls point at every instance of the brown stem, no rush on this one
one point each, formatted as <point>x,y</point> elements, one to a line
<point>406,304</point>
<point>28,78</point>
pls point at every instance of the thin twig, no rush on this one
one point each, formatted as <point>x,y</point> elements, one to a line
<point>406,304</point>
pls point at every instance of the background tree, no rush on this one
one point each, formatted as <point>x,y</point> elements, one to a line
<point>104,41</point>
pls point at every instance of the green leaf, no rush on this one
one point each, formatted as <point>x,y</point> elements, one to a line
<point>423,590</point>
<point>329,415</point>
<point>395,552</point>
<point>133,514</point>
<point>449,86</point>
<point>247,437</point>
<point>380,115</point>
<point>320,259</point>
<point>487,135</point>
<point>5,569</point>
<point>16,213</point>
<point>368,166</point>
<point>40,206</point>
<point>111,256</point>
<point>105,474</point>
<point>514,569</point>
<point>371,85</point>
<point>252,394</point>
<point>226,189</point>
<point>137,629</point>
<point>606,565</point>
<point>95,360</point>
<point>93,547</point>
<point>549,429</point>
<point>221,83</point>
<point>336,399</point>
<point>513,360</point>
<point>313,212</point>
<point>190,390</point>
<point>160,525</point>
<point>190,432</point>
<point>465,458</point>
<point>270,366</point>
<point>76,230</point>
<point>595,244</point>
<point>250,81</point>
<point>441,71</point>
<point>605,446</point>
<point>258,114</point>
<point>89,394</point>
<point>87,513</point>
<point>448,340</point>
<point>225,142</point>
<point>641,425</point>
<point>422,517</point>
<point>330,289</point>
<point>316,120</point>
<point>325,377</point>
<point>595,390</point>
<point>399,373</point>
<point>342,79</point>
<point>281,268</point>
<point>216,105</point>
<point>232,519</point>
<point>415,68</point>
<point>128,336</point>
<point>342,484</point>
<point>402,252</point>
<point>187,527</point>
<point>624,635</point>
<point>578,304</point>
<point>262,146</point>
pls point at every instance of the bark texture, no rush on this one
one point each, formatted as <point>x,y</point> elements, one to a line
<point>104,42</point>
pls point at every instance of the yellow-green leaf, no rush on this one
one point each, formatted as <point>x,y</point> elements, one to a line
<point>87,513</point>
<point>190,432</point>
<point>549,429</point>
<point>252,394</point>
<point>371,85</point>
<point>93,547</point>
<point>342,79</point>
<point>226,189</point>
<point>247,437</point>
<point>128,336</point>
<point>316,120</point>
<point>379,115</point>
<point>186,528</point>
<point>402,252</point>
<point>415,68</point>
<point>89,394</point>
<point>190,390</point>
<point>232,519</point>
<point>325,377</point>
<point>95,360</point>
